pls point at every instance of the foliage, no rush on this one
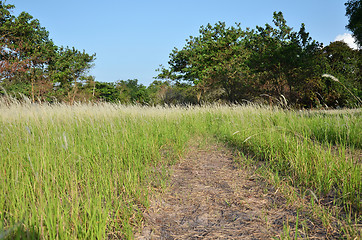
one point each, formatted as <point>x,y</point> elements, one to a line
<point>105,92</point>
<point>132,92</point>
<point>67,68</point>
<point>272,61</point>
<point>284,61</point>
<point>354,12</point>
<point>270,64</point>
<point>157,91</point>
<point>215,59</point>
<point>25,50</point>
<point>344,63</point>
<point>29,57</point>
<point>180,94</point>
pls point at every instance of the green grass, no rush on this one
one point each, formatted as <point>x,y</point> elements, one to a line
<point>86,171</point>
<point>83,172</point>
<point>285,141</point>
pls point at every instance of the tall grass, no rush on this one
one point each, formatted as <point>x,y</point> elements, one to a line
<point>85,171</point>
<point>285,141</point>
<point>337,127</point>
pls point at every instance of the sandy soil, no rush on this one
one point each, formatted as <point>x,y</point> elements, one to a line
<point>210,197</point>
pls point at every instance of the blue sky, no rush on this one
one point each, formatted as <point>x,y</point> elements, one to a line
<point>132,38</point>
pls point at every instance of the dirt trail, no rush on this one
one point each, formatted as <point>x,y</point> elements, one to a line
<point>211,198</point>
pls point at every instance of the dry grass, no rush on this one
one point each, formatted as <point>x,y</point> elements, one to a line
<point>211,197</point>
<point>88,167</point>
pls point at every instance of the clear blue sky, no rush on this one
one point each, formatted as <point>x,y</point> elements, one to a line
<point>132,38</point>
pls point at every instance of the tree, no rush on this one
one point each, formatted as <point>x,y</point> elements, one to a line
<point>345,64</point>
<point>180,94</point>
<point>283,61</point>
<point>214,59</point>
<point>9,62</point>
<point>157,91</point>
<point>106,92</point>
<point>67,69</point>
<point>233,64</point>
<point>132,92</point>
<point>25,50</point>
<point>32,64</point>
<point>354,12</point>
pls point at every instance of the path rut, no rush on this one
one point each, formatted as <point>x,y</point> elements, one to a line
<point>210,197</point>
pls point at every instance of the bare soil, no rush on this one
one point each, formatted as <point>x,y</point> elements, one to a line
<point>211,197</point>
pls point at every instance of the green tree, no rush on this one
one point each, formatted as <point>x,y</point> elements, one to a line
<point>132,92</point>
<point>284,62</point>
<point>345,64</point>
<point>180,94</point>
<point>10,63</point>
<point>354,12</point>
<point>215,59</point>
<point>106,92</point>
<point>30,63</point>
<point>25,50</point>
<point>233,64</point>
<point>157,91</point>
<point>68,68</point>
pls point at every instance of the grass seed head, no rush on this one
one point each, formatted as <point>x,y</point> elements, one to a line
<point>331,77</point>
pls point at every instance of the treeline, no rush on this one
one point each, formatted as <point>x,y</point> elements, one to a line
<point>32,65</point>
<point>270,64</point>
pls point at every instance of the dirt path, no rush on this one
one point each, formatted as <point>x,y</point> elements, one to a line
<point>210,198</point>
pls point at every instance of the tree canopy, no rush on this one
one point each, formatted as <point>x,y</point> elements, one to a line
<point>354,12</point>
<point>31,64</point>
<point>268,64</point>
